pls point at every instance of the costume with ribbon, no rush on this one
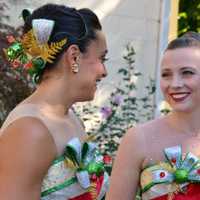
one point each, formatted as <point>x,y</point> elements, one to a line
<point>79,174</point>
<point>176,179</point>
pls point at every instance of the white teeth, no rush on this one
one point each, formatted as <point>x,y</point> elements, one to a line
<point>177,96</point>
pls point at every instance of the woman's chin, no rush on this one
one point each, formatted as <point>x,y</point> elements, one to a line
<point>89,97</point>
<point>183,109</point>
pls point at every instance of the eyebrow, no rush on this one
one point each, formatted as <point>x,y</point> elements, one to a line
<point>182,68</point>
<point>165,69</point>
<point>187,67</point>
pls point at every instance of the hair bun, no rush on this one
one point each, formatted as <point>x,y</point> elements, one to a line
<point>25,13</point>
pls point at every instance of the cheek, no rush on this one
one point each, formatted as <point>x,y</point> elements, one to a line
<point>96,66</point>
<point>194,83</point>
<point>95,70</point>
<point>163,85</point>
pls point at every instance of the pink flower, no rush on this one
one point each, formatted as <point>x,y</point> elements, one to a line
<point>10,39</point>
<point>15,64</point>
<point>106,111</point>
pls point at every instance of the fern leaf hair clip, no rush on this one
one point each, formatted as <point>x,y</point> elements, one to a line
<point>33,51</point>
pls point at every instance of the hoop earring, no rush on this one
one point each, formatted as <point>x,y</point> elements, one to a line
<point>75,68</point>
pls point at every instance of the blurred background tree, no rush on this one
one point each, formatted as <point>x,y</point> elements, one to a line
<point>189,16</point>
<point>14,85</point>
<point>126,106</point>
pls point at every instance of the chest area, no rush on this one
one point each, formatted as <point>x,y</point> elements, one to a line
<point>63,131</point>
<point>71,176</point>
<point>179,175</point>
<point>157,145</point>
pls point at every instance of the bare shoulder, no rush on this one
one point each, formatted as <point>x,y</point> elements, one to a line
<point>27,145</point>
<point>139,137</point>
<point>132,139</point>
<point>24,128</point>
<point>132,142</point>
<point>150,128</point>
<point>128,162</point>
<point>30,132</point>
<point>136,135</point>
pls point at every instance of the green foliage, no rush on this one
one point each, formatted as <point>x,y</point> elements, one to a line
<point>189,16</point>
<point>126,107</point>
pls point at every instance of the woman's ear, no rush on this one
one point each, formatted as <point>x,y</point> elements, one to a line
<point>72,53</point>
<point>72,57</point>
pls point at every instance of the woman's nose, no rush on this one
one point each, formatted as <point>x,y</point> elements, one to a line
<point>177,82</point>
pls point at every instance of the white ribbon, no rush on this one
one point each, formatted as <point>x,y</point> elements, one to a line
<point>42,29</point>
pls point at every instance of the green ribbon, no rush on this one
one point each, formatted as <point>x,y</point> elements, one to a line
<point>182,170</point>
<point>87,161</point>
<point>14,51</point>
<point>17,52</point>
<point>65,184</point>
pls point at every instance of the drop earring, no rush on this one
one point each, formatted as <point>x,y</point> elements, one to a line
<point>75,67</point>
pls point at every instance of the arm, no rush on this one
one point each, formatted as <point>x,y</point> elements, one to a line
<point>26,152</point>
<point>126,169</point>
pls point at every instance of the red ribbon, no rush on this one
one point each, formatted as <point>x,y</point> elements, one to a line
<point>87,195</point>
<point>192,193</point>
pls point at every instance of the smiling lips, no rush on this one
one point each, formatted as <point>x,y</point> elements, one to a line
<point>179,96</point>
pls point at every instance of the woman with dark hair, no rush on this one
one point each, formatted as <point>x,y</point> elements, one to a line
<point>44,150</point>
<point>159,160</point>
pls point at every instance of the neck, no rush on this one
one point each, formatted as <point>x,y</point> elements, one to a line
<point>186,122</point>
<point>53,98</point>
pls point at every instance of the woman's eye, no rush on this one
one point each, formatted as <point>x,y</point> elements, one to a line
<point>187,72</point>
<point>165,75</point>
